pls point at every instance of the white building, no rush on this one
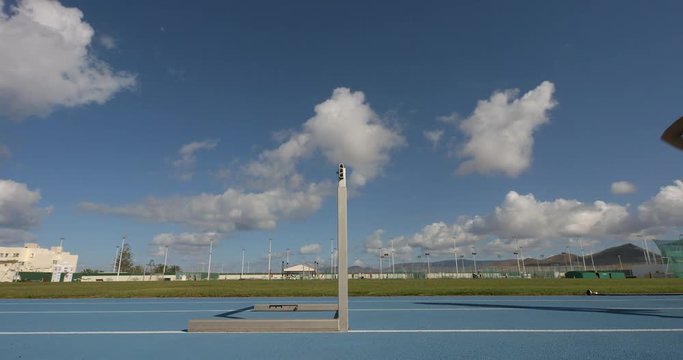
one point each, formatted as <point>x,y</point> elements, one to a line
<point>33,258</point>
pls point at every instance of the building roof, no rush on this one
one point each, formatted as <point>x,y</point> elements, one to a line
<point>300,268</point>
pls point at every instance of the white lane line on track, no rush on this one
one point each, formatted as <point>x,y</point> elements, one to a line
<point>413,331</point>
<point>135,332</point>
<point>114,311</point>
<point>368,331</point>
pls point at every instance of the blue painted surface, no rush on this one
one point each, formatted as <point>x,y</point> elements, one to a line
<point>629,327</point>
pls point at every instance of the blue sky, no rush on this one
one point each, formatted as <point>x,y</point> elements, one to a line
<point>489,124</point>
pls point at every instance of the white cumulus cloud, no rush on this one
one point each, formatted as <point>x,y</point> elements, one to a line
<point>47,63</point>
<point>185,243</point>
<point>500,131</point>
<point>434,136</point>
<point>523,220</point>
<point>344,129</point>
<point>310,249</point>
<point>227,212</point>
<point>665,208</point>
<point>623,187</point>
<point>187,157</point>
<point>19,212</point>
<point>523,216</point>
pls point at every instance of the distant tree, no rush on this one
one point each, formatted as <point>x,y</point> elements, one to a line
<point>126,260</point>
<point>89,271</point>
<point>137,270</point>
<point>170,269</point>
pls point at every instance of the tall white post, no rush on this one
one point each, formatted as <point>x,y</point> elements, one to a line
<point>165,259</point>
<point>429,269</point>
<point>455,254</point>
<point>380,262</point>
<point>116,256</point>
<point>647,251</point>
<point>208,272</point>
<point>242,273</point>
<point>342,259</point>
<point>118,271</point>
<point>474,258</point>
<point>393,269</point>
<point>521,254</point>
<point>583,256</point>
<point>270,249</point>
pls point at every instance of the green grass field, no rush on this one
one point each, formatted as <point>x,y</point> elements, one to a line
<point>310,288</point>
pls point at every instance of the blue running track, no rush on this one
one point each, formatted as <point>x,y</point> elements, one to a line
<point>623,327</point>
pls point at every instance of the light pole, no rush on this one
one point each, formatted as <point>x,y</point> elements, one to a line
<point>455,255</point>
<point>592,261</point>
<point>519,269</point>
<point>116,258</point>
<point>474,257</point>
<point>538,266</point>
<point>583,255</point>
<point>380,262</point>
<point>208,269</point>
<point>61,244</point>
<point>647,251</point>
<point>429,269</point>
<point>118,271</point>
<point>270,249</point>
<point>521,254</point>
<point>165,259</point>
<point>645,258</point>
<point>393,269</point>
<point>621,267</point>
<point>242,273</point>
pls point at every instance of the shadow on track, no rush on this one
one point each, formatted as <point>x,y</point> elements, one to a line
<point>233,312</point>
<point>636,312</point>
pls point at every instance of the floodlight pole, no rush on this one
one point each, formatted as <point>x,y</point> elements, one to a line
<point>242,273</point>
<point>118,271</point>
<point>647,251</point>
<point>165,259</point>
<point>342,259</point>
<point>380,262</point>
<point>429,269</point>
<point>474,257</point>
<point>583,256</point>
<point>208,272</point>
<point>393,269</point>
<point>270,248</point>
<point>455,254</point>
<point>116,255</point>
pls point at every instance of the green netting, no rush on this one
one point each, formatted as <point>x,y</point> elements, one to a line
<point>672,250</point>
